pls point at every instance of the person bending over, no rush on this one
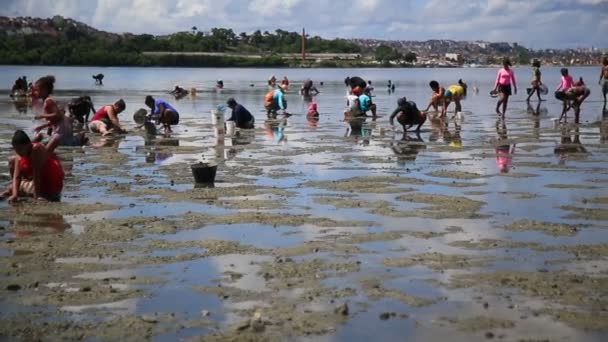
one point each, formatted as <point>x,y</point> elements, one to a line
<point>166,114</point>
<point>240,115</point>
<point>408,115</point>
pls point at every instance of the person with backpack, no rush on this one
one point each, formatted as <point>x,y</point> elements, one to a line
<point>275,101</point>
<point>80,108</point>
<point>408,115</point>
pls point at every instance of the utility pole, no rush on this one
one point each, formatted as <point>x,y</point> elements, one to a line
<point>303,45</point>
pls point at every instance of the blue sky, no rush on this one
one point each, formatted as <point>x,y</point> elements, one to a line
<point>533,23</point>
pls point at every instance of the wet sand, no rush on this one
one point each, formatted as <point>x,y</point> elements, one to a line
<point>319,237</point>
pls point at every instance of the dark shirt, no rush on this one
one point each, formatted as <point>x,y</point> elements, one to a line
<point>410,111</point>
<point>241,116</point>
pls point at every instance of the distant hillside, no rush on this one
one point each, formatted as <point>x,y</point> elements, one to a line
<point>62,41</point>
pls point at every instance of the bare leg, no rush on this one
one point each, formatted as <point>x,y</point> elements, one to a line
<point>499,103</point>
<point>504,104</point>
<point>423,116</point>
<point>532,93</point>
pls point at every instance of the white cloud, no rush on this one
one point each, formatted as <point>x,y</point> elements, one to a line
<point>538,23</point>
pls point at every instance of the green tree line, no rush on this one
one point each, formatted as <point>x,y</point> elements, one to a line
<point>75,45</point>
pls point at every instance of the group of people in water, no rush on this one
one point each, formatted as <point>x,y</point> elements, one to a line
<point>36,171</point>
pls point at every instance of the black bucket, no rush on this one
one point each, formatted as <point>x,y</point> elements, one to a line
<point>204,173</point>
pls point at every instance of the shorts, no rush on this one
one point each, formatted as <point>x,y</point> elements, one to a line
<point>27,187</point>
<point>560,95</point>
<point>173,117</point>
<point>505,89</point>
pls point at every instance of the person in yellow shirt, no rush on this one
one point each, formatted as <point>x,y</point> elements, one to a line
<point>456,93</point>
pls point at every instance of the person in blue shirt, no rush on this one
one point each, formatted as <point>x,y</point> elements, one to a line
<point>275,101</point>
<point>240,115</point>
<point>164,112</point>
<point>365,104</point>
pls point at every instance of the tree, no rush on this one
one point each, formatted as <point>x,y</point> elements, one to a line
<point>385,53</point>
<point>410,57</point>
<point>194,29</point>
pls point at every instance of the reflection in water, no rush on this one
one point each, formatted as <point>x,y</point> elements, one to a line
<point>407,148</point>
<point>312,121</point>
<point>359,129</point>
<point>440,128</point>
<point>504,151</point>
<point>27,224</point>
<point>536,110</point>
<point>275,129</point>
<point>604,127</point>
<point>107,141</point>
<point>570,146</point>
<point>21,106</point>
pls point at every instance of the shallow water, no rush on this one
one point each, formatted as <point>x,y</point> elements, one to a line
<point>286,168</point>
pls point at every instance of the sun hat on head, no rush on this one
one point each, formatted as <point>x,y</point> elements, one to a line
<point>231,102</point>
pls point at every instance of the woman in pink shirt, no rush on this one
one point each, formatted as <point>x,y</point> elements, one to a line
<point>504,79</point>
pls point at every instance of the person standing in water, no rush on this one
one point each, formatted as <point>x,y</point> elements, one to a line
<point>166,114</point>
<point>272,82</point>
<point>308,88</point>
<point>536,80</point>
<point>505,79</point>
<point>604,79</point>
<point>561,93</point>
<point>36,171</point>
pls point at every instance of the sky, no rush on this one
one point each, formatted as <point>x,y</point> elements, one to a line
<point>533,23</point>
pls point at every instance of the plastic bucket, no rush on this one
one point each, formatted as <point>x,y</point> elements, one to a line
<point>204,173</point>
<point>140,116</point>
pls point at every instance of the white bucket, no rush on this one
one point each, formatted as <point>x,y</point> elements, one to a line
<point>230,128</point>
<point>217,118</point>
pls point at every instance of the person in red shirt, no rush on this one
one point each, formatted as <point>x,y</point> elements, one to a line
<point>36,172</point>
<point>105,121</point>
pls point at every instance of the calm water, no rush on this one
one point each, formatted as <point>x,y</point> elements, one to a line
<point>467,146</point>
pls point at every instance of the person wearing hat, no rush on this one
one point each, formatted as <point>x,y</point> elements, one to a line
<point>408,115</point>
<point>275,101</point>
<point>240,115</point>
